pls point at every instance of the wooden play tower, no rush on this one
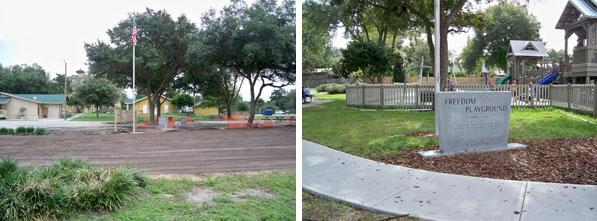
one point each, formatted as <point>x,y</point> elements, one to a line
<point>527,61</point>
<point>580,18</point>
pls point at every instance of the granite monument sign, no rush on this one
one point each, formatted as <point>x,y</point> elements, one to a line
<point>473,121</point>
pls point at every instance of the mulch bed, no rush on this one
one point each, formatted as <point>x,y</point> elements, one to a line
<point>565,160</point>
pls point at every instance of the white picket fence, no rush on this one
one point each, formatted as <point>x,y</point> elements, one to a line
<point>579,97</point>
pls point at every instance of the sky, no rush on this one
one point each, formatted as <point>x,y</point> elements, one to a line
<point>547,13</point>
<point>51,32</point>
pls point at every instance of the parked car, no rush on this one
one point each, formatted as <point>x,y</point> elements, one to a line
<point>279,112</point>
<point>267,112</point>
<point>3,114</point>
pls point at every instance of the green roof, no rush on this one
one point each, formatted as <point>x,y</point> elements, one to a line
<point>128,100</point>
<point>4,100</point>
<point>41,98</point>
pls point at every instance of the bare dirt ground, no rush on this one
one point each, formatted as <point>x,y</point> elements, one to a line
<point>564,160</point>
<point>194,152</point>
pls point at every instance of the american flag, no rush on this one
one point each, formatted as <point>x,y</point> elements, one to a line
<point>134,33</point>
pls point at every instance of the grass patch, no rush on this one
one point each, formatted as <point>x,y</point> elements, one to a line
<point>378,132</point>
<point>326,96</point>
<point>93,117</point>
<point>63,189</point>
<point>166,199</point>
<point>316,208</point>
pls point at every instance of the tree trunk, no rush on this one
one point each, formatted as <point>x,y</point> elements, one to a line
<point>429,32</point>
<point>158,105</point>
<point>96,111</point>
<point>443,49</point>
<point>150,105</point>
<point>253,101</point>
<point>228,109</point>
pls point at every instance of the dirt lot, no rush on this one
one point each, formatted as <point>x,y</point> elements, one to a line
<point>194,152</point>
<point>566,160</point>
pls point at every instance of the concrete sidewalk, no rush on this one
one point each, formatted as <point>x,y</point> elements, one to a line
<point>54,123</point>
<point>399,190</point>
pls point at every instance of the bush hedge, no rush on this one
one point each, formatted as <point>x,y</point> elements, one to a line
<point>23,131</point>
<point>63,189</point>
<point>331,88</point>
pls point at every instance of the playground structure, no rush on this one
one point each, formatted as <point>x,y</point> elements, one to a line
<point>527,63</point>
<point>579,17</point>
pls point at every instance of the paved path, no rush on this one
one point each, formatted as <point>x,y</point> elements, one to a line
<point>193,152</point>
<point>54,123</point>
<point>316,101</point>
<point>437,196</point>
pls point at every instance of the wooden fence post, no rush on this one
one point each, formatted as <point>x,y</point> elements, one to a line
<point>417,96</point>
<point>569,96</point>
<point>363,95</point>
<point>595,100</point>
<point>549,89</point>
<point>531,97</point>
<point>381,96</point>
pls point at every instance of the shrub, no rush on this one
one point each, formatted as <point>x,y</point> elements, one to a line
<point>337,89</point>
<point>40,132</point>
<point>461,74</point>
<point>21,130</point>
<point>331,88</point>
<point>59,190</point>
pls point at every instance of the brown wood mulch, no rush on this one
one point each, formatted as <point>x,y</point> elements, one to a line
<point>564,160</point>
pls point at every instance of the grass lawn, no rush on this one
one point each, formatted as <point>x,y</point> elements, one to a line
<point>373,133</point>
<point>316,208</point>
<point>166,199</point>
<point>93,117</point>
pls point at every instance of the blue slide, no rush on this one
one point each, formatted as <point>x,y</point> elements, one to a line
<point>550,77</point>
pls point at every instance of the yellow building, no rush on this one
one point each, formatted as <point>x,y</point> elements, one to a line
<point>206,111</point>
<point>142,105</point>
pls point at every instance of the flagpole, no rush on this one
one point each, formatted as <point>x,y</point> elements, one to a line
<point>436,62</point>
<point>134,90</point>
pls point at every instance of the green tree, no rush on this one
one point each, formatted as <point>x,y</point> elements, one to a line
<point>182,100</point>
<point>502,23</point>
<point>471,54</point>
<point>97,92</point>
<point>24,79</point>
<point>281,98</point>
<point>291,102</point>
<point>556,56</point>
<point>242,106</point>
<point>374,62</point>
<point>319,21</point>
<point>256,43</point>
<point>161,54</point>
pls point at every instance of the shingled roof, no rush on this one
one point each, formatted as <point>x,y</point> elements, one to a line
<point>575,10</point>
<point>527,48</point>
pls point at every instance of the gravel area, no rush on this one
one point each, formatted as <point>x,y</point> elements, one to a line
<point>565,160</point>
